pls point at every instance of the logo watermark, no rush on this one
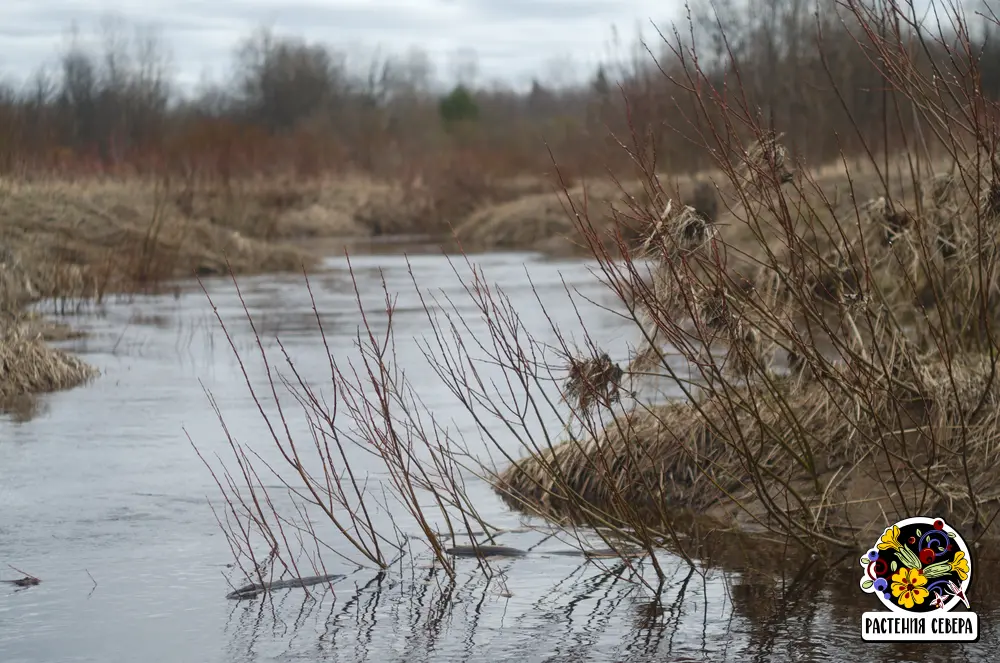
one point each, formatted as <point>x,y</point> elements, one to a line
<point>919,569</point>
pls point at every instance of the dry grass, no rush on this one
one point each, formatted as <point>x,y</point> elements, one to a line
<point>75,241</point>
<point>843,361</point>
<point>523,223</point>
<point>78,241</point>
<point>346,206</point>
<point>435,207</point>
<point>28,365</point>
<point>541,221</point>
<point>121,232</point>
<point>693,456</point>
<point>279,209</point>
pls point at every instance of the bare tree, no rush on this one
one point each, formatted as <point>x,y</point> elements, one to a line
<point>284,80</point>
<point>79,89</point>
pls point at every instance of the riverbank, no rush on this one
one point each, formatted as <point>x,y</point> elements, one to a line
<point>79,241</point>
<point>812,453</point>
<point>833,366</point>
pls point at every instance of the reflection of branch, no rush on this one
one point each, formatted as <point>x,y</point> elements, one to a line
<point>94,588</point>
<point>673,612</point>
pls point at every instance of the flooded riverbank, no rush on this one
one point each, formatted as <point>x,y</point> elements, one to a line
<point>104,499</point>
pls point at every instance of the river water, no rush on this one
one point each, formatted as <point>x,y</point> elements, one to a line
<point>103,497</point>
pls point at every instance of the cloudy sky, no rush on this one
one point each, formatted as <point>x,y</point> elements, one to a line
<point>511,37</point>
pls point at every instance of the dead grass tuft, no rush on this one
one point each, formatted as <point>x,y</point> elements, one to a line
<point>28,365</point>
<point>679,230</point>
<point>766,157</point>
<point>597,379</point>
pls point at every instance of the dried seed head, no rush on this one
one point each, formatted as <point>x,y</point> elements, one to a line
<point>768,155</point>
<point>679,230</point>
<point>597,379</point>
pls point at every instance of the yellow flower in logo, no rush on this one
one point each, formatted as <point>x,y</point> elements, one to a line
<point>960,565</point>
<point>890,539</point>
<point>908,587</point>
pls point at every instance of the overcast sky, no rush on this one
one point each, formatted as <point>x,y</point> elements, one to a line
<point>511,37</point>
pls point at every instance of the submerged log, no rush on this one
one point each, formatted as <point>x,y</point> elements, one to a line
<point>253,589</point>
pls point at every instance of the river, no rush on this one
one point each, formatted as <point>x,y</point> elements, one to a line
<point>103,497</point>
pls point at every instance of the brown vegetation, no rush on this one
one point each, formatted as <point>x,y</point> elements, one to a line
<point>836,327</point>
<point>842,347</point>
<point>296,116</point>
<point>29,366</point>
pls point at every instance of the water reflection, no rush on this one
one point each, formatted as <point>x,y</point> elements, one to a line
<point>582,614</point>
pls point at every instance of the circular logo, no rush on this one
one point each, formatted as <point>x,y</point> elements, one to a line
<point>918,565</point>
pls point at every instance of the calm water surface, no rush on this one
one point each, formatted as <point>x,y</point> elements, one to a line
<point>103,497</point>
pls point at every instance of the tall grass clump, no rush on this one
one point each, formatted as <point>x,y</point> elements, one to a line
<point>28,365</point>
<point>827,337</point>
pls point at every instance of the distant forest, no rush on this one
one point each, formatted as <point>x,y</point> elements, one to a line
<point>291,106</point>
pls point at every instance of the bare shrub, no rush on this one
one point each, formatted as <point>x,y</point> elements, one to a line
<point>833,359</point>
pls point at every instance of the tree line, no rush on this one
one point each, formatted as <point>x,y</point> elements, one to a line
<point>296,106</point>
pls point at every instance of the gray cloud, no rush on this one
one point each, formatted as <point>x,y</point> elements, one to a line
<point>555,10</point>
<point>511,37</point>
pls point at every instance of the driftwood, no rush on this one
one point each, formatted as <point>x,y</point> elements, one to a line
<point>253,589</point>
<point>27,581</point>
